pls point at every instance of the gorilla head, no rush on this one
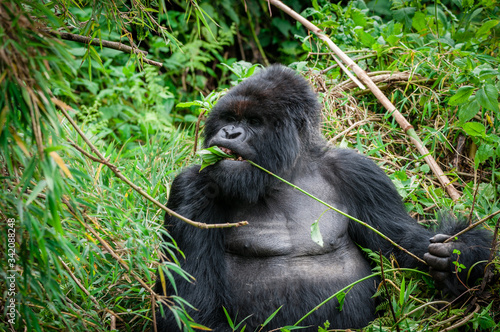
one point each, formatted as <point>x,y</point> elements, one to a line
<point>271,118</point>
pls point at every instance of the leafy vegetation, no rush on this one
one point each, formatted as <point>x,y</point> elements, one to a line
<point>87,245</point>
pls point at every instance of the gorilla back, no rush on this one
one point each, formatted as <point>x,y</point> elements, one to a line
<point>273,119</point>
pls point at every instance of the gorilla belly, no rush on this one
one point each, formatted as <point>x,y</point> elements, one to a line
<point>263,284</point>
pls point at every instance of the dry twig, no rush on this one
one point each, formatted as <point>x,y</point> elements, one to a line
<point>474,225</point>
<point>105,43</point>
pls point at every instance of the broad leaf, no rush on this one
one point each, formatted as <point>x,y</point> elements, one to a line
<point>341,297</point>
<point>474,129</point>
<point>461,96</point>
<point>467,111</point>
<point>487,97</point>
<point>419,23</point>
<point>316,234</point>
<point>483,153</point>
<point>404,15</point>
<point>485,28</point>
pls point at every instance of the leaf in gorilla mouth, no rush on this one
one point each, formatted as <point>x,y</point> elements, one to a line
<point>213,154</point>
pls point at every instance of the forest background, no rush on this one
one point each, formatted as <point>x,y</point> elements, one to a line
<point>83,122</point>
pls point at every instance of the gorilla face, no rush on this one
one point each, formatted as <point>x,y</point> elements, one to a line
<point>263,120</point>
<point>239,128</point>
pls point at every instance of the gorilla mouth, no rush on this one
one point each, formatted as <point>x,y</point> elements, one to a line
<point>234,155</point>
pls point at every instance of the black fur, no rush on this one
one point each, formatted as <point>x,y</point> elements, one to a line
<point>273,119</point>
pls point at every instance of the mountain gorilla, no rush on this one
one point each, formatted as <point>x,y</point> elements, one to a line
<point>273,119</point>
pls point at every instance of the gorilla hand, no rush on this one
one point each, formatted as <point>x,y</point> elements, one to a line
<point>439,258</point>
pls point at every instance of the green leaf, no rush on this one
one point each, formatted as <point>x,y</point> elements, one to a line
<point>488,73</point>
<point>190,103</point>
<point>271,317</point>
<point>485,28</point>
<point>402,292</point>
<point>467,111</point>
<point>483,153</point>
<point>229,320</point>
<point>404,15</point>
<point>475,129</point>
<point>212,155</point>
<point>316,234</point>
<point>340,297</point>
<point>365,38</point>
<point>419,23</point>
<point>487,97</point>
<point>38,189</point>
<point>359,18</point>
<point>461,96</point>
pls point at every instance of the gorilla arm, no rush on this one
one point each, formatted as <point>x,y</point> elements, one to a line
<point>371,197</point>
<point>192,195</point>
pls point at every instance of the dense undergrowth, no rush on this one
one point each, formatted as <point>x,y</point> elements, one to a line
<point>85,245</point>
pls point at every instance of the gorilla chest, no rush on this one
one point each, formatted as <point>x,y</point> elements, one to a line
<point>274,261</point>
<point>281,226</point>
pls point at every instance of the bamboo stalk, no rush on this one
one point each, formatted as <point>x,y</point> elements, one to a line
<point>407,127</point>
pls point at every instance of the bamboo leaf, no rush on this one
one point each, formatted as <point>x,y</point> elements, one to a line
<point>60,162</point>
<point>19,141</point>
<point>271,317</point>
<point>37,190</point>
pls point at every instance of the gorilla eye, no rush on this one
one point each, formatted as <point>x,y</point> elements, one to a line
<point>230,118</point>
<point>255,121</point>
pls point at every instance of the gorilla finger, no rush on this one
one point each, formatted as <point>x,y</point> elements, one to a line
<point>439,276</point>
<point>440,249</point>
<point>439,238</point>
<point>437,263</point>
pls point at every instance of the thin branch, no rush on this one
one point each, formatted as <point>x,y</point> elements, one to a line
<point>384,78</point>
<point>105,43</point>
<point>384,281</point>
<point>359,123</point>
<point>456,325</point>
<point>407,127</point>
<point>348,287</point>
<point>197,131</point>
<point>100,159</point>
<point>474,225</point>
<point>322,72</point>
<point>351,76</point>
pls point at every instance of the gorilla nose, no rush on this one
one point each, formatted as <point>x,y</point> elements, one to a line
<point>232,132</point>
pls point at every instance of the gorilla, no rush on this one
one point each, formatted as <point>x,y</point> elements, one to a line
<point>273,119</point>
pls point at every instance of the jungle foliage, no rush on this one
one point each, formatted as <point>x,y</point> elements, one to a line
<point>84,245</point>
